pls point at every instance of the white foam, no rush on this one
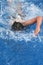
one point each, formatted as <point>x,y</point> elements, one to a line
<point>20,35</point>
<point>32,11</point>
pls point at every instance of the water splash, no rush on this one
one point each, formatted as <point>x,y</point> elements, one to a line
<point>27,8</point>
<point>20,35</point>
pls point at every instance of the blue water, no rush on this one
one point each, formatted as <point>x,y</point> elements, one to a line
<point>20,48</point>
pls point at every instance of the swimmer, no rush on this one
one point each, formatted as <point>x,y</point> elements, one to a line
<point>20,24</point>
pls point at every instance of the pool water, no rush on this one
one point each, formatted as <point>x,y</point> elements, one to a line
<point>20,48</point>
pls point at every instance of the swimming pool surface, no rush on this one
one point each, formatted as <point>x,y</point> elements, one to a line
<point>20,48</point>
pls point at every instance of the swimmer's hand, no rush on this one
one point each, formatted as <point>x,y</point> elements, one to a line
<point>33,35</point>
<point>36,31</point>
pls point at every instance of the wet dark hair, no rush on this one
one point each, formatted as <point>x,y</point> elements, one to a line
<point>17,26</point>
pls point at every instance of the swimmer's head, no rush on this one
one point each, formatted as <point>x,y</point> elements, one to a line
<point>17,26</point>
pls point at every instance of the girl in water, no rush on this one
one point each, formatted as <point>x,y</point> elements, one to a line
<point>18,24</point>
